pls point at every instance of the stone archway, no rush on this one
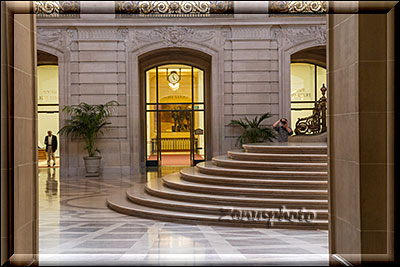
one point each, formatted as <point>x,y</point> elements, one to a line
<point>292,40</point>
<point>63,94</point>
<point>175,55</point>
<point>204,43</point>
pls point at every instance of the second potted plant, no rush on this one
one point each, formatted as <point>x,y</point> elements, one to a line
<point>87,121</point>
<point>253,131</point>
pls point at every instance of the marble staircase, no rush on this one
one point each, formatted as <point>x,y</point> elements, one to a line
<point>263,185</point>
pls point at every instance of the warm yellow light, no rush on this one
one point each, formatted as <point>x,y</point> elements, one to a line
<point>174,87</point>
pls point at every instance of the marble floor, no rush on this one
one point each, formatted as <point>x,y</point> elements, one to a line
<point>77,228</point>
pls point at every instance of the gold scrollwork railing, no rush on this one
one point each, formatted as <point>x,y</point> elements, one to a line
<point>297,7</point>
<point>173,8</point>
<point>316,123</point>
<point>51,9</point>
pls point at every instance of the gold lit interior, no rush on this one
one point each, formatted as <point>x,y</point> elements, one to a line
<point>306,82</point>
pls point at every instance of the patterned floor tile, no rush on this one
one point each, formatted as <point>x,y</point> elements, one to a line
<point>76,227</point>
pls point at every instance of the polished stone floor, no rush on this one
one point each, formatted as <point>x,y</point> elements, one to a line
<point>77,228</point>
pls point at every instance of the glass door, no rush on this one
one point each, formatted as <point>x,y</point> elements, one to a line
<point>175,115</point>
<point>306,81</point>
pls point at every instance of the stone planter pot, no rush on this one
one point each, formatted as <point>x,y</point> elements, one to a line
<point>92,165</point>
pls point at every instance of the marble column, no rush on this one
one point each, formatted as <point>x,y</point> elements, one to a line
<point>361,135</point>
<point>19,196</point>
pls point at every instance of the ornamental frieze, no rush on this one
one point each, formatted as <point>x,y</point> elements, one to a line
<point>288,37</point>
<point>297,7</point>
<point>173,36</point>
<point>57,8</point>
<point>59,39</point>
<point>55,38</point>
<point>173,8</point>
<point>176,8</point>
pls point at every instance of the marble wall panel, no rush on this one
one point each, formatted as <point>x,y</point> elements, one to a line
<point>266,65</point>
<point>99,45</point>
<point>254,54</point>
<point>243,109</point>
<point>99,67</point>
<point>90,56</point>
<point>253,98</point>
<point>359,175</point>
<point>24,197</point>
<point>255,87</point>
<point>254,44</point>
<point>255,76</point>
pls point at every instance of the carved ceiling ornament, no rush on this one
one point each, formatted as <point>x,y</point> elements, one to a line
<point>297,7</point>
<point>173,8</point>
<point>172,36</point>
<point>288,37</point>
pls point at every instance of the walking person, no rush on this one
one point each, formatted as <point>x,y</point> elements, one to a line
<point>283,130</point>
<point>51,146</point>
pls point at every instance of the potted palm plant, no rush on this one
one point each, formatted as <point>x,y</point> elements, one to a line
<point>87,121</point>
<point>253,131</point>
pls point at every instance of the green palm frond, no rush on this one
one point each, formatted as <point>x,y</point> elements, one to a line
<point>87,122</point>
<point>239,122</point>
<point>253,131</point>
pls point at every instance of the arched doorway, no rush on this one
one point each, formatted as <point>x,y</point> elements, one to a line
<point>307,76</point>
<point>48,104</point>
<point>174,89</point>
<point>174,115</point>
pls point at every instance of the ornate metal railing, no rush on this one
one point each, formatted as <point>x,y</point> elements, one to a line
<point>316,123</point>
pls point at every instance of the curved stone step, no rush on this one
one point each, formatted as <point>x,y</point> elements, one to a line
<point>226,162</point>
<point>121,204</point>
<point>287,148</point>
<point>174,181</point>
<point>137,195</point>
<point>156,188</point>
<point>243,155</point>
<point>209,168</point>
<point>192,174</point>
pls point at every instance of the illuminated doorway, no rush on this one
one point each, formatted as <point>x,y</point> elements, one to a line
<point>175,115</point>
<point>306,82</point>
<point>307,75</point>
<point>48,106</point>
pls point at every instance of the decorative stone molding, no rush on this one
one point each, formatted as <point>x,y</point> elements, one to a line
<point>174,36</point>
<point>297,7</point>
<point>288,37</point>
<point>59,39</point>
<point>71,34</point>
<point>173,8</point>
<point>52,37</point>
<point>123,32</point>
